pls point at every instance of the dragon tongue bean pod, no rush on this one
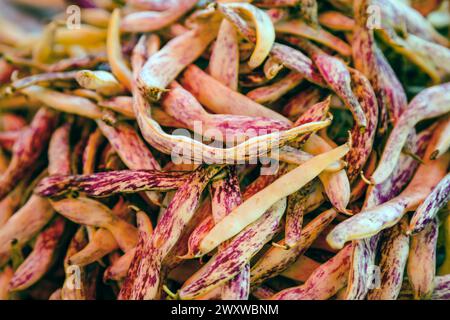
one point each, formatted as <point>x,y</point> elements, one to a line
<point>277,259</point>
<point>28,148</point>
<point>143,279</point>
<point>39,261</point>
<point>235,255</point>
<point>394,253</point>
<point>431,102</point>
<point>427,211</point>
<point>372,220</point>
<point>422,261</point>
<point>363,258</point>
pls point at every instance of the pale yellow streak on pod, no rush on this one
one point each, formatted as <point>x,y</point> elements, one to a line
<point>114,51</point>
<point>259,203</point>
<point>86,35</point>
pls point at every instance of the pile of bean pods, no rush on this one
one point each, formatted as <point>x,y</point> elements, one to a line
<point>233,150</point>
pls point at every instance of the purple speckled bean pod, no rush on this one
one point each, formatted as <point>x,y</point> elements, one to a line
<point>40,260</point>
<point>324,282</point>
<point>229,262</point>
<point>225,196</point>
<point>441,288</point>
<point>301,102</point>
<point>374,219</point>
<point>164,66</point>
<point>28,149</point>
<point>399,15</point>
<point>394,254</point>
<point>90,212</point>
<point>182,106</point>
<point>277,259</point>
<point>103,184</point>
<point>431,102</point>
<point>299,28</point>
<point>24,224</point>
<point>338,78</point>
<point>362,141</point>
<point>238,288</point>
<point>422,261</point>
<point>143,280</point>
<point>224,61</point>
<point>365,249</point>
<point>59,151</point>
<point>296,207</point>
<point>289,57</point>
<point>369,59</point>
<point>298,62</point>
<point>274,91</point>
<point>428,210</point>
<point>222,100</point>
<point>131,149</point>
<point>200,231</point>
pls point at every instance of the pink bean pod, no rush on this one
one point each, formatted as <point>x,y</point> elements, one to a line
<point>369,59</point>
<point>90,212</point>
<point>273,92</point>
<point>165,65</point>
<point>225,196</point>
<point>27,149</point>
<point>229,262</point>
<point>299,28</point>
<point>143,279</point>
<point>301,102</point>
<point>103,184</point>
<point>443,143</point>
<point>40,260</point>
<point>365,249</point>
<point>12,122</point>
<point>394,254</point>
<point>430,103</point>
<point>336,21</point>
<point>374,219</point>
<point>278,259</point>
<point>324,282</point>
<point>296,207</point>
<point>220,99</point>
<point>183,107</point>
<point>147,21</point>
<point>399,15</point>
<point>24,224</point>
<point>224,62</point>
<point>362,142</point>
<point>441,288</point>
<point>337,76</point>
<point>428,210</point>
<point>422,261</point>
